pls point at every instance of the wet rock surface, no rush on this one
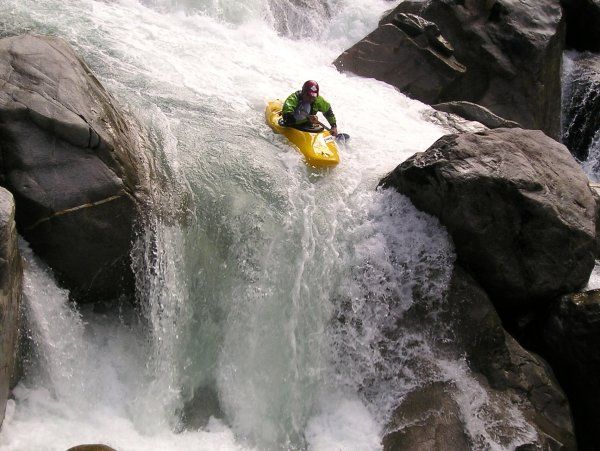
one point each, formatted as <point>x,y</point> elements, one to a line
<point>503,368</point>
<point>70,158</point>
<point>11,281</point>
<point>571,337</point>
<point>474,112</point>
<point>427,419</point>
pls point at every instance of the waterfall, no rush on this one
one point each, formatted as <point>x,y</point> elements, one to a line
<point>267,294</point>
<point>581,108</point>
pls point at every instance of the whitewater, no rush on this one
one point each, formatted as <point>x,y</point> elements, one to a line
<point>266,289</point>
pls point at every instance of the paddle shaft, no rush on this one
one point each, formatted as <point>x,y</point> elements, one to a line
<point>342,136</point>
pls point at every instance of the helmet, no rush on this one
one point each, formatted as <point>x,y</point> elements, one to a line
<point>311,88</point>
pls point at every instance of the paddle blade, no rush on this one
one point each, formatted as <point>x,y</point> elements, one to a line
<point>342,137</point>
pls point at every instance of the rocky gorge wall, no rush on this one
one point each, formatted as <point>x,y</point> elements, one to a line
<point>509,196</point>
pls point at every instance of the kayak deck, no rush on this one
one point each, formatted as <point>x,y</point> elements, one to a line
<point>319,148</point>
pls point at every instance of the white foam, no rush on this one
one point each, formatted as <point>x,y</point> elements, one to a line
<point>344,423</point>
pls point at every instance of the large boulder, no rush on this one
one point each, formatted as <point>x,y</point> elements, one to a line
<point>582,104</point>
<point>11,280</point>
<point>572,345</point>
<point>404,59</point>
<point>583,24</point>
<point>511,50</point>
<point>70,157</point>
<point>518,208</point>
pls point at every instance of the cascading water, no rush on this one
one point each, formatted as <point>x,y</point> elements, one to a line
<point>581,106</point>
<point>270,290</point>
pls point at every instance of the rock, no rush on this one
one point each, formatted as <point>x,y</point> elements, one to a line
<point>427,419</point>
<point>70,158</point>
<point>414,26</point>
<point>540,398</point>
<point>94,447</point>
<point>469,326</point>
<point>582,104</point>
<point>477,331</point>
<point>518,208</point>
<point>583,24</point>
<point>203,404</point>
<point>474,112</point>
<point>410,63</point>
<point>572,338</point>
<point>11,280</point>
<point>451,122</point>
<point>509,52</point>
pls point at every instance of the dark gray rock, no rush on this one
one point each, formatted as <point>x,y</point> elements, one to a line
<point>572,344</point>
<point>203,404</point>
<point>512,52</point>
<point>11,281</point>
<point>477,333</point>
<point>414,26</point>
<point>474,112</point>
<point>582,104</point>
<point>476,330</point>
<point>410,63</point>
<point>72,161</point>
<point>540,397</point>
<point>92,447</point>
<point>427,419</point>
<point>518,208</point>
<point>583,24</point>
<point>466,326</point>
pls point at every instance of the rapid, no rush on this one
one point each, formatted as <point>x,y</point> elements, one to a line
<point>269,289</point>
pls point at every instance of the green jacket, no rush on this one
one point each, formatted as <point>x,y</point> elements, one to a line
<point>319,104</point>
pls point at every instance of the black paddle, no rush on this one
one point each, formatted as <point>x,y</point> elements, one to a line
<point>341,137</point>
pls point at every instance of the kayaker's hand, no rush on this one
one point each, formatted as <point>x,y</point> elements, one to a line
<point>334,131</point>
<point>313,119</point>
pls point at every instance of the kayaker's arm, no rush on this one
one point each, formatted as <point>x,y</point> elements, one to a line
<point>324,107</point>
<point>289,106</point>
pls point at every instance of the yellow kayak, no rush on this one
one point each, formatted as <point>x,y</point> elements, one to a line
<point>319,148</point>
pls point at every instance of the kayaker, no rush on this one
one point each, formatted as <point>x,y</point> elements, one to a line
<point>301,107</point>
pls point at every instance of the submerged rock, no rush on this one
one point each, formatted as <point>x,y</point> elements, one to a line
<point>11,280</point>
<point>427,419</point>
<point>518,207</point>
<point>93,447</point>
<point>572,338</point>
<point>70,157</point>
<point>201,406</point>
<point>506,56</point>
